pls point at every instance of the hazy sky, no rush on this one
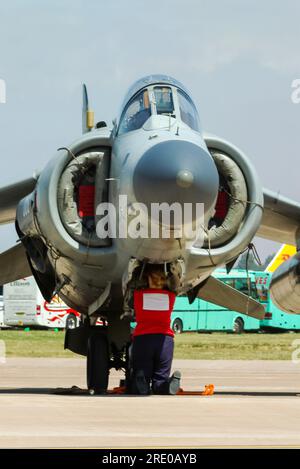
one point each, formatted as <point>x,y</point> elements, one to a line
<point>238,58</point>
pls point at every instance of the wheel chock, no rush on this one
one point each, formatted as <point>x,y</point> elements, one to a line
<point>209,390</point>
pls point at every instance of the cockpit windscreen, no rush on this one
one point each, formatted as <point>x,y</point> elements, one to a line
<point>188,112</point>
<point>158,99</point>
<point>163,100</point>
<point>136,113</point>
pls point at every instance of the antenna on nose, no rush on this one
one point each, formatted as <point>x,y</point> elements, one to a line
<point>87,113</point>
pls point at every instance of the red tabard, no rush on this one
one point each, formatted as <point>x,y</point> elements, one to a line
<point>153,309</point>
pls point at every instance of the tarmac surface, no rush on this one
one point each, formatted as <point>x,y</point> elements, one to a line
<point>256,403</point>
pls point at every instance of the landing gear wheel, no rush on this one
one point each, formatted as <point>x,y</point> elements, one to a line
<point>71,321</point>
<point>177,326</point>
<point>238,326</point>
<point>97,363</point>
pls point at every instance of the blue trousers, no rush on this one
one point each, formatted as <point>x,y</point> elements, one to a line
<point>153,353</point>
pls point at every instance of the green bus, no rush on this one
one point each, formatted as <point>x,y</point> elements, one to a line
<point>204,316</point>
<point>275,318</point>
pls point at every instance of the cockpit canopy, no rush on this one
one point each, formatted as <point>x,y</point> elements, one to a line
<point>157,95</point>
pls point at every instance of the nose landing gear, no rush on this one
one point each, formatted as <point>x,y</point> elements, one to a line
<point>97,365</point>
<point>106,347</point>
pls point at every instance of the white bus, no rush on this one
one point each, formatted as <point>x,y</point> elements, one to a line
<point>24,306</point>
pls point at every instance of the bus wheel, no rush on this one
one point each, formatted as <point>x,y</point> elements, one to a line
<point>238,326</point>
<point>97,365</point>
<point>177,326</point>
<point>71,322</point>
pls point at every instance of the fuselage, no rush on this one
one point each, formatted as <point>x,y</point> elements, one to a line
<point>146,191</point>
<point>159,158</point>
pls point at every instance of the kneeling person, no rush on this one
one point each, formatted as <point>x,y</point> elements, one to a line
<point>153,338</point>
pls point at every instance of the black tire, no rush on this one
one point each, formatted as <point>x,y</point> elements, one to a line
<point>71,321</point>
<point>177,326</point>
<point>97,365</point>
<point>238,326</point>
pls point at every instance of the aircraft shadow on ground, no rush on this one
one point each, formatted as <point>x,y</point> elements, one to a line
<point>77,392</point>
<point>84,392</point>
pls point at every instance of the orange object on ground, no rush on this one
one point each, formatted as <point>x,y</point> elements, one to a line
<point>208,391</point>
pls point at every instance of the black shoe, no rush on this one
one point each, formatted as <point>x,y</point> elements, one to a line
<point>174,383</point>
<point>140,384</point>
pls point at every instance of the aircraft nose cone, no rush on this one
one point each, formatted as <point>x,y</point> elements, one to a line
<point>176,171</point>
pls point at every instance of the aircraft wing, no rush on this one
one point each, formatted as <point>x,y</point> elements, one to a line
<point>281,218</point>
<point>217,292</point>
<point>11,195</point>
<point>13,262</point>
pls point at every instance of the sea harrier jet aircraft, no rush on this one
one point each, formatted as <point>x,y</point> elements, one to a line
<point>85,221</point>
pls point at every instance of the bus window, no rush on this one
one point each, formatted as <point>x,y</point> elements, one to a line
<point>230,282</point>
<point>241,284</point>
<point>262,288</point>
<point>247,286</point>
<point>262,292</point>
